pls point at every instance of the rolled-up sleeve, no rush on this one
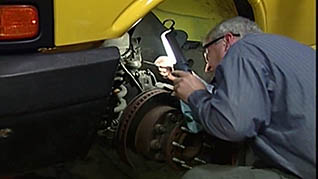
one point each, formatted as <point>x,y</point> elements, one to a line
<point>240,104</point>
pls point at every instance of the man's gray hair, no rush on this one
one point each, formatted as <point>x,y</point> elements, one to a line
<point>236,25</point>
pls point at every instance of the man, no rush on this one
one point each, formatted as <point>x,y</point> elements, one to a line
<point>264,94</point>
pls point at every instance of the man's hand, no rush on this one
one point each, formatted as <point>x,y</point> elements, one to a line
<point>165,67</point>
<point>185,83</point>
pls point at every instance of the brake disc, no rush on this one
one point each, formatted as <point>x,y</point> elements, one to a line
<point>152,125</point>
<point>132,116</point>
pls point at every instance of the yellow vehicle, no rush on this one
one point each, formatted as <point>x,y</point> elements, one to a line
<point>72,69</point>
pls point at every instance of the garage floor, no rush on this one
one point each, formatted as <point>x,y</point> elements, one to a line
<point>103,162</point>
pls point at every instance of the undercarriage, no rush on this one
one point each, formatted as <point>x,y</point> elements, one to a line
<point>147,119</point>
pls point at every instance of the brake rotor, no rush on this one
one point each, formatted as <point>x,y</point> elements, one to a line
<point>133,114</point>
<point>152,125</point>
<point>154,130</point>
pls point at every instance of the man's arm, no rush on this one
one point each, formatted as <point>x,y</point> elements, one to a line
<point>241,104</point>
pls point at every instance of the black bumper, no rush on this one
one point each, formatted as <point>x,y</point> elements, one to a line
<point>51,105</point>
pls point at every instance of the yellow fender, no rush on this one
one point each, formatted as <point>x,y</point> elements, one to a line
<point>83,21</point>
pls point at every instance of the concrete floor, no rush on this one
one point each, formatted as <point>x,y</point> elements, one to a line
<point>102,162</point>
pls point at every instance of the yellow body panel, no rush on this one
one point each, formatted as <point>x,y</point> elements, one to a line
<point>83,21</point>
<point>293,18</point>
<point>196,17</point>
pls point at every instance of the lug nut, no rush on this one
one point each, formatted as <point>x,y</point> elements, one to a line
<point>171,117</point>
<point>159,156</point>
<point>160,129</point>
<point>155,144</point>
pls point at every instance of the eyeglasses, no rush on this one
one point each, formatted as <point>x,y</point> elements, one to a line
<point>217,39</point>
<point>205,47</point>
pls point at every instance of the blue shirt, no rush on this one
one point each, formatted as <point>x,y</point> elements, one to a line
<point>265,92</point>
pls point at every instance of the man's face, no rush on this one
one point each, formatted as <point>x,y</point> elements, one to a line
<point>216,49</point>
<point>213,55</point>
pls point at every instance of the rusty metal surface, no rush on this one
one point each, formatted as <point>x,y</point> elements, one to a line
<point>160,137</point>
<point>127,119</point>
<point>152,127</point>
<point>146,134</point>
<point>182,148</point>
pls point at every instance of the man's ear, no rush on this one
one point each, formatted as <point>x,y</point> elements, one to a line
<point>229,40</point>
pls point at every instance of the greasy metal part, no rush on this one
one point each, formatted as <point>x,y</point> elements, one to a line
<point>151,132</point>
<point>122,91</point>
<point>146,79</point>
<point>110,124</point>
<point>127,119</point>
<point>185,129</point>
<point>4,133</point>
<point>176,144</point>
<point>183,163</point>
<point>154,128</point>
<point>188,149</point>
<point>155,144</point>
<point>199,160</point>
<point>159,128</point>
<point>182,145</point>
<point>159,156</point>
<point>131,76</point>
<point>122,43</point>
<point>144,133</point>
<point>133,59</point>
<point>149,63</point>
<point>121,105</point>
<point>178,160</point>
<point>172,117</point>
<point>160,136</point>
<point>186,166</point>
